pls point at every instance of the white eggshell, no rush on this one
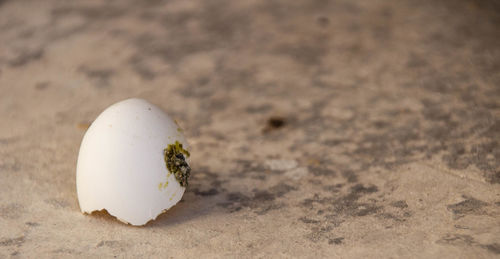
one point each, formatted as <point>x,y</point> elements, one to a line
<point>121,166</point>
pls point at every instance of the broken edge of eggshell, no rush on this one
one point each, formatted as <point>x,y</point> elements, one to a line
<point>103,212</point>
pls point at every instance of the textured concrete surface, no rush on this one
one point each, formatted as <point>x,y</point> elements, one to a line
<point>318,128</point>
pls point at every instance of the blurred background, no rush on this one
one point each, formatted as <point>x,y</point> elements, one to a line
<point>364,127</point>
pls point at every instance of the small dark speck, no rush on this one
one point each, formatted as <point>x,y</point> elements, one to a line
<point>149,108</point>
<point>274,123</point>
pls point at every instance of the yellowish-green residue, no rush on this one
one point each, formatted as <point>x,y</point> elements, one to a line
<point>162,186</point>
<point>175,158</point>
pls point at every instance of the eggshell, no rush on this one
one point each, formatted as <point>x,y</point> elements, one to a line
<point>121,165</point>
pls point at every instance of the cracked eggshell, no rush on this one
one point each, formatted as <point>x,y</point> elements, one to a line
<point>121,165</point>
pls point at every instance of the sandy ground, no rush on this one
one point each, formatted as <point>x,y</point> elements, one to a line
<point>318,128</point>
